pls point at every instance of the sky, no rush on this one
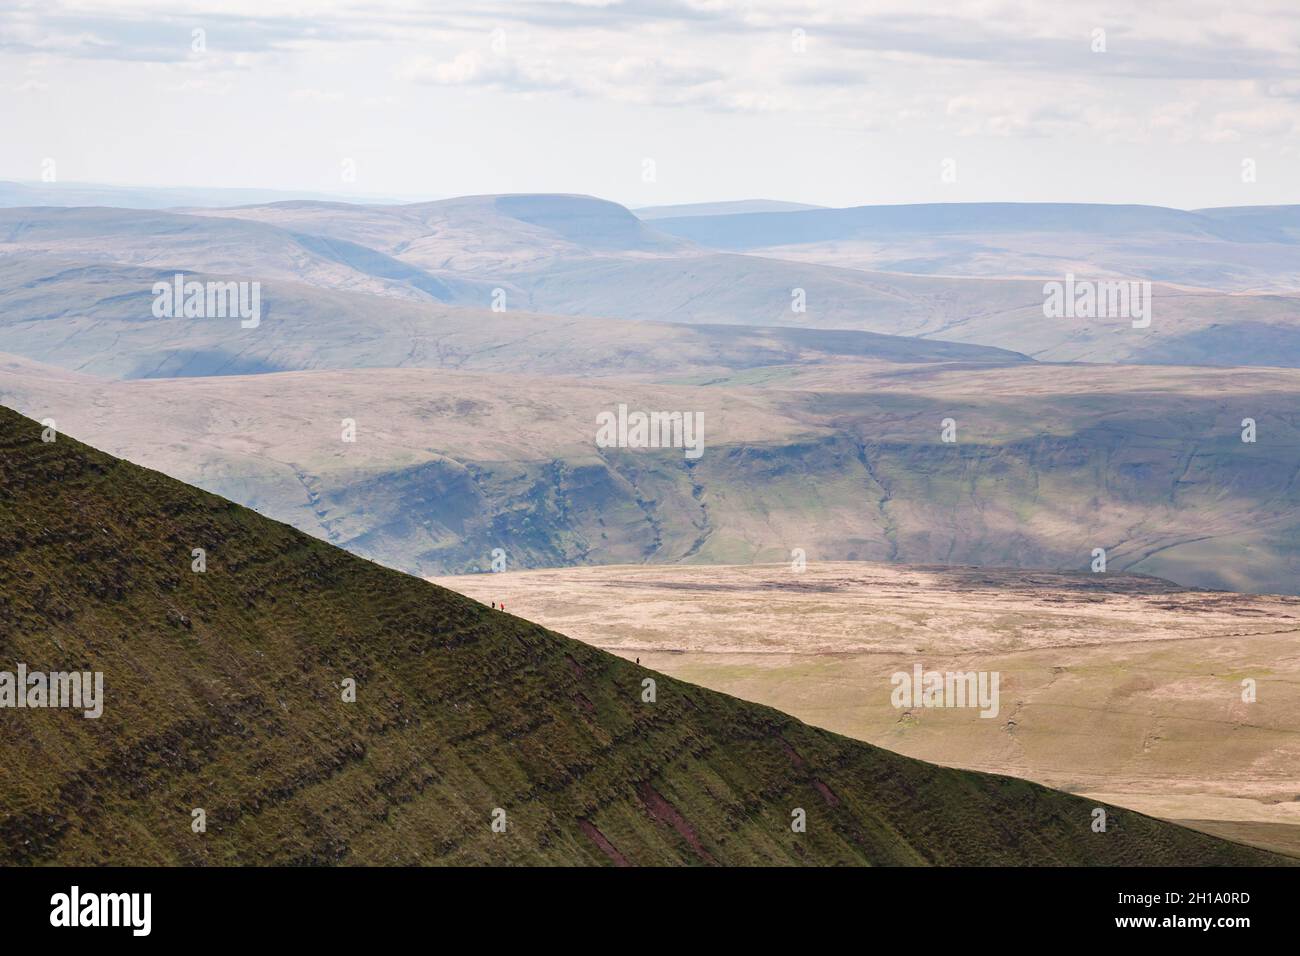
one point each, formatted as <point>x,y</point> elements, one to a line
<point>647,102</point>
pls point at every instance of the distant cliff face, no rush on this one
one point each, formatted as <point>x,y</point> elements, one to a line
<point>1045,502</point>
<point>1046,465</point>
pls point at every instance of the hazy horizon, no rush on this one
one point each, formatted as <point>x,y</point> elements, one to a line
<point>382,199</point>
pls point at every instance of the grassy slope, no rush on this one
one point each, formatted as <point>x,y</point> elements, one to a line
<point>1118,687</point>
<point>222,693</point>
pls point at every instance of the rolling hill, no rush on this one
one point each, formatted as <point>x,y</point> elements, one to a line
<point>579,256</point>
<point>485,235</point>
<point>222,693</point>
<point>98,319</point>
<point>238,248</point>
<point>1224,281</point>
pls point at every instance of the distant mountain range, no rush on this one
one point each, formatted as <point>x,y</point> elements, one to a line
<point>1232,249</point>
<point>475,339</point>
<point>577,256</point>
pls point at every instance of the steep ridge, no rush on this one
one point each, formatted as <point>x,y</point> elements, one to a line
<point>222,693</point>
<point>1123,688</point>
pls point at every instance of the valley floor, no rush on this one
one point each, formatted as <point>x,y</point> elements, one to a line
<point>1124,688</point>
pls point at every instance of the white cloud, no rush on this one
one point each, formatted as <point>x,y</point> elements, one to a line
<point>998,75</point>
<point>474,68</point>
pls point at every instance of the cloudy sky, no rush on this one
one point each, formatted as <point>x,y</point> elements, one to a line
<point>840,102</point>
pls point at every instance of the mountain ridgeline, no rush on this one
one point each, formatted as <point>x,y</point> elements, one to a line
<point>226,691</point>
<point>1223,280</point>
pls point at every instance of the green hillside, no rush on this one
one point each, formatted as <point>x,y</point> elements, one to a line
<point>223,692</point>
